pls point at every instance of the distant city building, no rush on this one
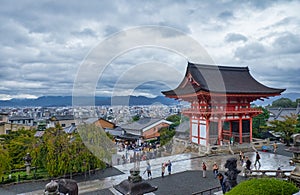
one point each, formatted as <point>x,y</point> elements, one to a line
<point>21,120</point>
<point>14,123</point>
<point>220,98</point>
<point>63,121</point>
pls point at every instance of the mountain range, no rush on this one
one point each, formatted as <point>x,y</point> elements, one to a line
<point>60,101</point>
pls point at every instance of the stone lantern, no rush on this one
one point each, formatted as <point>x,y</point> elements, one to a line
<point>135,185</point>
<point>27,160</point>
<point>51,188</point>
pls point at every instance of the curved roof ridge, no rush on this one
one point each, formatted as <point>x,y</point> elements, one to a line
<point>215,66</point>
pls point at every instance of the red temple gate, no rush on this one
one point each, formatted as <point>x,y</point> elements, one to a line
<point>220,98</point>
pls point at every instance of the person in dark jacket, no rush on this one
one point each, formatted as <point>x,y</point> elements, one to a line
<point>248,164</point>
<point>257,158</point>
<point>222,182</point>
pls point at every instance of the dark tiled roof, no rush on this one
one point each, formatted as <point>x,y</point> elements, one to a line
<point>142,123</point>
<point>16,118</point>
<point>63,117</point>
<point>220,79</point>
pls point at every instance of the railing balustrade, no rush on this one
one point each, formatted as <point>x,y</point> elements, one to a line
<point>264,173</point>
<point>210,190</point>
<point>218,110</point>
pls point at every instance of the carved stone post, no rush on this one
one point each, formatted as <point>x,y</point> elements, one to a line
<point>135,185</point>
<point>27,160</point>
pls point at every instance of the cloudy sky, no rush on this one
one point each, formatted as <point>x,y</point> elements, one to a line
<point>47,46</point>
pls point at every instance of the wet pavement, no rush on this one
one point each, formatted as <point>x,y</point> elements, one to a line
<point>186,170</point>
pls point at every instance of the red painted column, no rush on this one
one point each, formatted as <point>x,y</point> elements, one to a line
<point>241,130</point>
<point>250,128</point>
<point>219,130</point>
<point>198,137</point>
<point>191,127</point>
<point>207,132</point>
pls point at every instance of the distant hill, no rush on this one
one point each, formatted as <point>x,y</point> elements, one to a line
<point>52,101</point>
<point>291,96</point>
<point>59,101</point>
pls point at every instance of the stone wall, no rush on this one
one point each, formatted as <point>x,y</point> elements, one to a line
<point>179,146</point>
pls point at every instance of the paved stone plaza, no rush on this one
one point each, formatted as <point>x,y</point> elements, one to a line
<point>186,176</point>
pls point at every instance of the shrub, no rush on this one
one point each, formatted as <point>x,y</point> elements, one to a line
<point>264,186</point>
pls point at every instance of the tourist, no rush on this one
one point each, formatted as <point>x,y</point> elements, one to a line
<point>215,169</point>
<point>241,157</point>
<point>148,170</point>
<point>169,164</point>
<point>257,158</point>
<point>163,167</point>
<point>204,169</point>
<point>275,147</point>
<point>278,172</point>
<point>222,182</point>
<point>248,164</point>
<point>231,140</point>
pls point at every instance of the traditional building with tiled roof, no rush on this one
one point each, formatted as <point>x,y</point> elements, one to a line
<point>220,98</point>
<point>148,128</point>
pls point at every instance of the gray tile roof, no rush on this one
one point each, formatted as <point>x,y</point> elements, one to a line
<point>15,118</point>
<point>141,124</point>
<point>279,113</point>
<point>64,117</point>
<point>220,79</point>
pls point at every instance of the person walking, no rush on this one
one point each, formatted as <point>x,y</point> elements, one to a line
<point>169,164</point>
<point>204,169</point>
<point>241,157</point>
<point>163,167</point>
<point>148,170</point>
<point>231,140</point>
<point>222,182</point>
<point>257,158</point>
<point>215,169</point>
<point>248,164</point>
<point>275,147</point>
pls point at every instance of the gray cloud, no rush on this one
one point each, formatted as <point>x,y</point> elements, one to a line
<point>250,51</point>
<point>234,37</point>
<point>44,43</point>
<point>226,15</point>
<point>287,43</point>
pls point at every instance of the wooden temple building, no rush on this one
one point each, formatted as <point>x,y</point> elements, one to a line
<point>220,98</point>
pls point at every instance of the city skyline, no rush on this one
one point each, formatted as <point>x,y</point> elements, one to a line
<point>45,43</point>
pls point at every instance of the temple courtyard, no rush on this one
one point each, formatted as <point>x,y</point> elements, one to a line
<point>186,177</point>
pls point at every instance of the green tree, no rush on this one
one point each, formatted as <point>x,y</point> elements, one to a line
<point>259,123</point>
<point>60,153</point>
<point>286,127</point>
<point>166,134</point>
<point>283,103</point>
<point>175,119</point>
<point>298,124</point>
<point>136,117</point>
<point>4,159</point>
<point>17,144</point>
<point>97,141</point>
